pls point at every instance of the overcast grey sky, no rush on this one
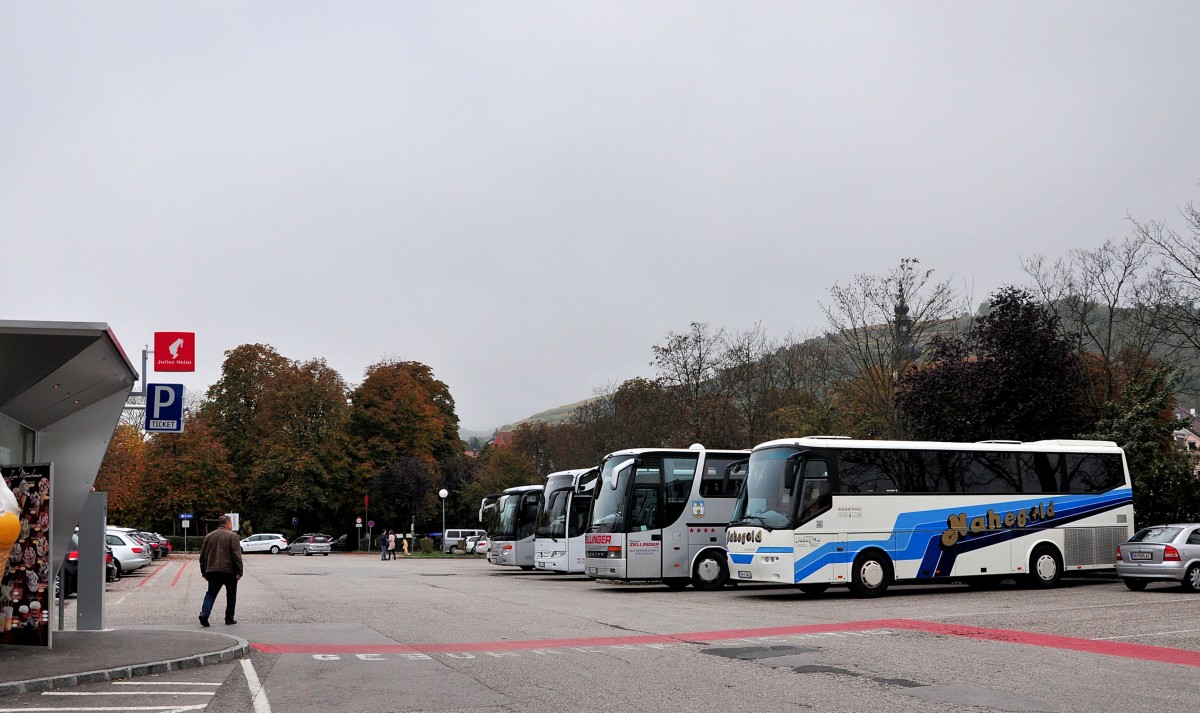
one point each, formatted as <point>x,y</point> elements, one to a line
<point>527,197</point>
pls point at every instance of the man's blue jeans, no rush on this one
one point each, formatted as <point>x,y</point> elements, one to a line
<point>216,580</point>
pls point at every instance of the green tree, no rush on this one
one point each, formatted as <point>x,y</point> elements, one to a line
<point>301,467</point>
<point>232,405</point>
<point>400,491</point>
<point>1012,376</point>
<point>1166,480</point>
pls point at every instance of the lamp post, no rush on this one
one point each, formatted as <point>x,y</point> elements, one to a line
<point>442,494</point>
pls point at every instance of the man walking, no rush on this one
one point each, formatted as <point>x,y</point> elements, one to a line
<point>221,565</point>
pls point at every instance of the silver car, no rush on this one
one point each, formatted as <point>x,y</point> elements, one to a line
<point>1163,553</point>
<point>310,545</point>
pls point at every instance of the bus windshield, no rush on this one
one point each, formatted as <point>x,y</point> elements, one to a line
<point>608,507</point>
<point>552,517</point>
<point>768,497</point>
<point>506,522</point>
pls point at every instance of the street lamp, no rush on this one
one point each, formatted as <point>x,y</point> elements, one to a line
<point>442,494</point>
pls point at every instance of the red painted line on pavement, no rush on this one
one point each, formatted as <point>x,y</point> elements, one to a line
<point>179,573</point>
<point>1142,652</point>
<point>148,576</point>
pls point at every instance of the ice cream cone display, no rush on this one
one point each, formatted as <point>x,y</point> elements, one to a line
<point>25,555</point>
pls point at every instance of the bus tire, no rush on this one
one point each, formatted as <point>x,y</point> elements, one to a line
<point>872,574</point>
<point>677,582</point>
<point>709,572</point>
<point>812,589</point>
<point>1045,567</point>
<point>527,567</point>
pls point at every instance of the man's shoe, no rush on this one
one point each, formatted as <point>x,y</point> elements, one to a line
<point>229,622</point>
<point>203,620</point>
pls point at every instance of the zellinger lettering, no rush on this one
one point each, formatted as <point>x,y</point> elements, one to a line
<point>960,528</point>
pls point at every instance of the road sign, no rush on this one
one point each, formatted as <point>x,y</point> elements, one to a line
<point>186,524</point>
<point>358,521</point>
<point>164,408</point>
<point>174,351</point>
<point>295,521</point>
<point>185,516</point>
<point>370,523</point>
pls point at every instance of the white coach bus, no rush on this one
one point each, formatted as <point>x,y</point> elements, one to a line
<point>516,518</point>
<point>660,514</point>
<point>822,511</point>
<point>563,519</point>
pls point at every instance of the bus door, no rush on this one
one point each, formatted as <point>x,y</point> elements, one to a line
<point>819,546</point>
<point>645,540</point>
<point>578,511</point>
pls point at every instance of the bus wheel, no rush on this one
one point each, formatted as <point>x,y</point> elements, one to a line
<point>677,582</point>
<point>527,567</point>
<point>709,572</point>
<point>1045,567</point>
<point>871,575</point>
<point>812,589</point>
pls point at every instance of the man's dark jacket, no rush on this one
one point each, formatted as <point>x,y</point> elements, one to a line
<point>221,552</point>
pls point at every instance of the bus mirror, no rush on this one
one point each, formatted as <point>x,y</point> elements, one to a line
<point>616,472</point>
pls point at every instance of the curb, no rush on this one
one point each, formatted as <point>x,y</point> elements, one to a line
<point>239,650</point>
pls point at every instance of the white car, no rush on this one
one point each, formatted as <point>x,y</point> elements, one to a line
<point>265,542</point>
<point>477,544</point>
<point>129,553</point>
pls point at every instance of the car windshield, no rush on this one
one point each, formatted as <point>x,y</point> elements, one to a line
<point>767,499</point>
<point>1156,534</point>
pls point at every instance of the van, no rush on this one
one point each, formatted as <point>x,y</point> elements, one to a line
<point>455,541</point>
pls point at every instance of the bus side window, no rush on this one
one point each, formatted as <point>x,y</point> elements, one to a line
<point>645,509</point>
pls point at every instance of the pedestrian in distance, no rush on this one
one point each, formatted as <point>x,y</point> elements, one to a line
<point>391,544</point>
<point>221,565</point>
<point>382,545</point>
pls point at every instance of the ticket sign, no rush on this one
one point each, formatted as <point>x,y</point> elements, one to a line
<point>164,408</point>
<point>174,351</point>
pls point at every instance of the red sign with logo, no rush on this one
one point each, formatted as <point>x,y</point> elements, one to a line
<point>174,351</point>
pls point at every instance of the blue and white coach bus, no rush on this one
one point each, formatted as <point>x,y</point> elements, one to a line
<point>820,511</point>
<point>563,520</point>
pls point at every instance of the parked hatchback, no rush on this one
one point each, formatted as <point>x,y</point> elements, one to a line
<point>265,542</point>
<point>129,552</point>
<point>310,545</point>
<point>1163,553</point>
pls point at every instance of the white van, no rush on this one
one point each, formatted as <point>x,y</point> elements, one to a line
<point>455,541</point>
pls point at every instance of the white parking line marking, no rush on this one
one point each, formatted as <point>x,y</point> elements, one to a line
<point>1149,633</point>
<point>161,683</point>
<point>171,708</point>
<point>127,693</point>
<point>257,692</point>
<point>161,709</point>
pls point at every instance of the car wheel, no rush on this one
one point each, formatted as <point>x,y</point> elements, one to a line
<point>709,572</point>
<point>306,552</point>
<point>291,552</point>
<point>1191,579</point>
<point>871,576</point>
<point>1045,567</point>
<point>812,589</point>
<point>454,550</point>
<point>117,564</point>
<point>1135,584</point>
<point>324,554</point>
<point>274,549</point>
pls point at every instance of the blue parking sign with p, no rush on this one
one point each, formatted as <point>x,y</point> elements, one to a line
<point>164,408</point>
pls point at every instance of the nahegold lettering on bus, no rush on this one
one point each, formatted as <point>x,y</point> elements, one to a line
<point>741,537</point>
<point>960,528</point>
